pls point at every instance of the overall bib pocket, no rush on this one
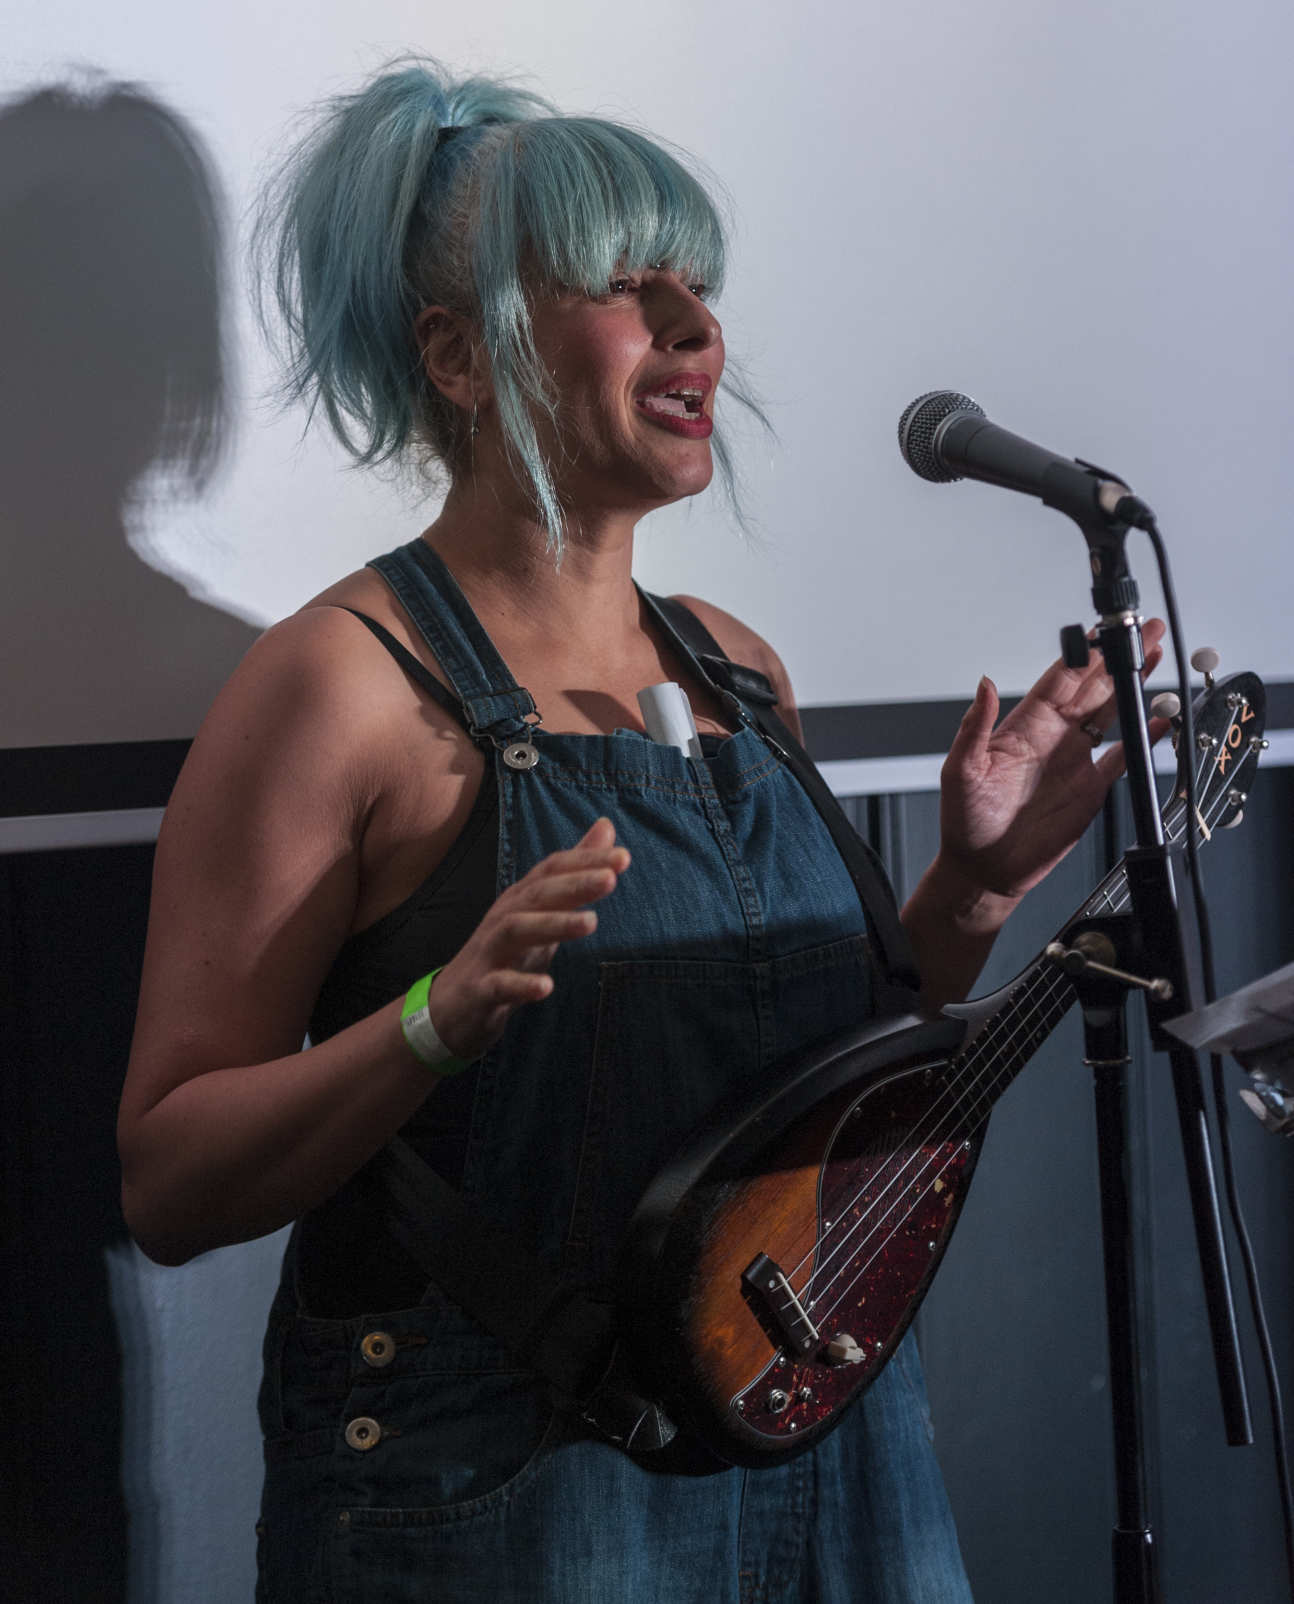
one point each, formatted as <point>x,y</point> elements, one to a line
<point>673,1037</point>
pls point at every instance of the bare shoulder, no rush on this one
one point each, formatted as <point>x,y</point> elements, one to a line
<point>312,667</point>
<point>304,731</point>
<point>283,768</point>
<point>745,645</point>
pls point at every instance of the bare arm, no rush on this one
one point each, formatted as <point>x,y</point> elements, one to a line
<point>227,1130</point>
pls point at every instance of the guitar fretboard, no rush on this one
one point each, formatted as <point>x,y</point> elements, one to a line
<point>1035,1005</point>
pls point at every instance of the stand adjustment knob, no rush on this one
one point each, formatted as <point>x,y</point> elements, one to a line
<point>1075,650</point>
<point>1094,954</point>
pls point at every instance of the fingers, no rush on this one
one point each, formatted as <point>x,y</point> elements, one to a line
<point>595,849</point>
<point>970,744</point>
<point>1112,762</point>
<point>1153,641</point>
<point>1094,704</point>
<point>507,989</point>
<point>567,890</point>
<point>1083,693</point>
<point>548,905</point>
<point>520,931</point>
<point>1110,765</point>
<point>504,964</point>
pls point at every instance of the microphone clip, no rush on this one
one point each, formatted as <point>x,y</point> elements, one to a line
<point>1116,501</point>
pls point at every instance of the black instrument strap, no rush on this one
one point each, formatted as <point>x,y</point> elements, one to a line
<point>563,1336</point>
<point>756,695</point>
<point>479,1264</point>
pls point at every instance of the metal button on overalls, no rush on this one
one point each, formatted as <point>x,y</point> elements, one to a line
<point>377,1349</point>
<point>363,1433</point>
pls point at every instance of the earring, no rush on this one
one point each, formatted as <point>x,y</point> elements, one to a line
<point>475,427</point>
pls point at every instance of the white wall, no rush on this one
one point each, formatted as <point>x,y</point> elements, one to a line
<point>1080,215</point>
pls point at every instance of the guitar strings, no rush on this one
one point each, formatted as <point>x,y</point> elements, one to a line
<point>1041,986</point>
<point>1056,994</point>
<point>1048,1003</point>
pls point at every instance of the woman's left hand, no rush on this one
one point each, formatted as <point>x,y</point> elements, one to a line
<point>1016,796</point>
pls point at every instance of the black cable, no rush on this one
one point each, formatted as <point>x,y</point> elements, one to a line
<point>1188,768</point>
<point>1260,1317</point>
<point>1219,1092</point>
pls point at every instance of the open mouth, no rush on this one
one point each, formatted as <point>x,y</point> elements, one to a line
<point>680,403</point>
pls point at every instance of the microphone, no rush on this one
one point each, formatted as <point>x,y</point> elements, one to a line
<point>945,436</point>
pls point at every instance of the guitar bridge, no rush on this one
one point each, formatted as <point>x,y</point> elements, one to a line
<point>769,1285</point>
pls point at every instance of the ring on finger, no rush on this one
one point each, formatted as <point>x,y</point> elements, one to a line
<point>1093,731</point>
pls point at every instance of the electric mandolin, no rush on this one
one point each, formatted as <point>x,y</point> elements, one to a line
<point>771,1269</point>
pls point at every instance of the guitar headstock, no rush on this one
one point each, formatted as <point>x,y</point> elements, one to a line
<point>1230,718</point>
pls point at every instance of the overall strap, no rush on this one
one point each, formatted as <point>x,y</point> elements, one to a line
<point>495,706</point>
<point>756,697</point>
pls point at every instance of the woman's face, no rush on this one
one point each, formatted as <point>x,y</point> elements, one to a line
<point>635,370</point>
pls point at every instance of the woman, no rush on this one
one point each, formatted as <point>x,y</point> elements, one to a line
<point>528,298</point>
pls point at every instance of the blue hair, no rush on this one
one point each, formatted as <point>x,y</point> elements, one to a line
<point>474,195</point>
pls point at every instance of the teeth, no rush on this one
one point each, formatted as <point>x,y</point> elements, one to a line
<point>674,405</point>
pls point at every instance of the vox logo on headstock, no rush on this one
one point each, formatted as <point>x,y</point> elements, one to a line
<point>1234,743</point>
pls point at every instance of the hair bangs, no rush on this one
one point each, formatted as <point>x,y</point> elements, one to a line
<point>593,199</point>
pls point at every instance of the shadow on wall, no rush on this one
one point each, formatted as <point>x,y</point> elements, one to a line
<point>109,282</point>
<point>110,277</point>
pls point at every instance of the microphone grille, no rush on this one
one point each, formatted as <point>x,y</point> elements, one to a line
<point>921,418</point>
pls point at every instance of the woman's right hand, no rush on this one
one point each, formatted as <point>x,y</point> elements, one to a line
<point>505,962</point>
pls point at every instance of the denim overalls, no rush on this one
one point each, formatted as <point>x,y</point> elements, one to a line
<point>412,1457</point>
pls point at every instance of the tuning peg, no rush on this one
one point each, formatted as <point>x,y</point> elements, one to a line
<point>1167,705</point>
<point>1236,798</point>
<point>1204,660</point>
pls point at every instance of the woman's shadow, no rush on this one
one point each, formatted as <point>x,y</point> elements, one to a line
<point>110,278</point>
<point>111,263</point>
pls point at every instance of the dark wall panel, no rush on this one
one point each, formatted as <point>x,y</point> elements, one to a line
<point>71,941</point>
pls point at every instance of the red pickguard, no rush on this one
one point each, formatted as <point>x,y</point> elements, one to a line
<point>890,1188</point>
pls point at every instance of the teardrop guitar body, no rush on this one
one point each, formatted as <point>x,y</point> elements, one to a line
<point>771,1277</point>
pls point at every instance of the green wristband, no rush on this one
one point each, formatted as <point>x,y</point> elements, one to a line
<point>420,1033</point>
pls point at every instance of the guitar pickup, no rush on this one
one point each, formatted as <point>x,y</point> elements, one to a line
<point>768,1284</point>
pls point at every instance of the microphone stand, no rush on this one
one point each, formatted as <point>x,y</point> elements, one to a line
<point>1154,948</point>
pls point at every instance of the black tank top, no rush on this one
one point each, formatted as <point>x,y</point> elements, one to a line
<point>347,1262</point>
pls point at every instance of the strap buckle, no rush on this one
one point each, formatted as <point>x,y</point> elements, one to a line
<point>747,684</point>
